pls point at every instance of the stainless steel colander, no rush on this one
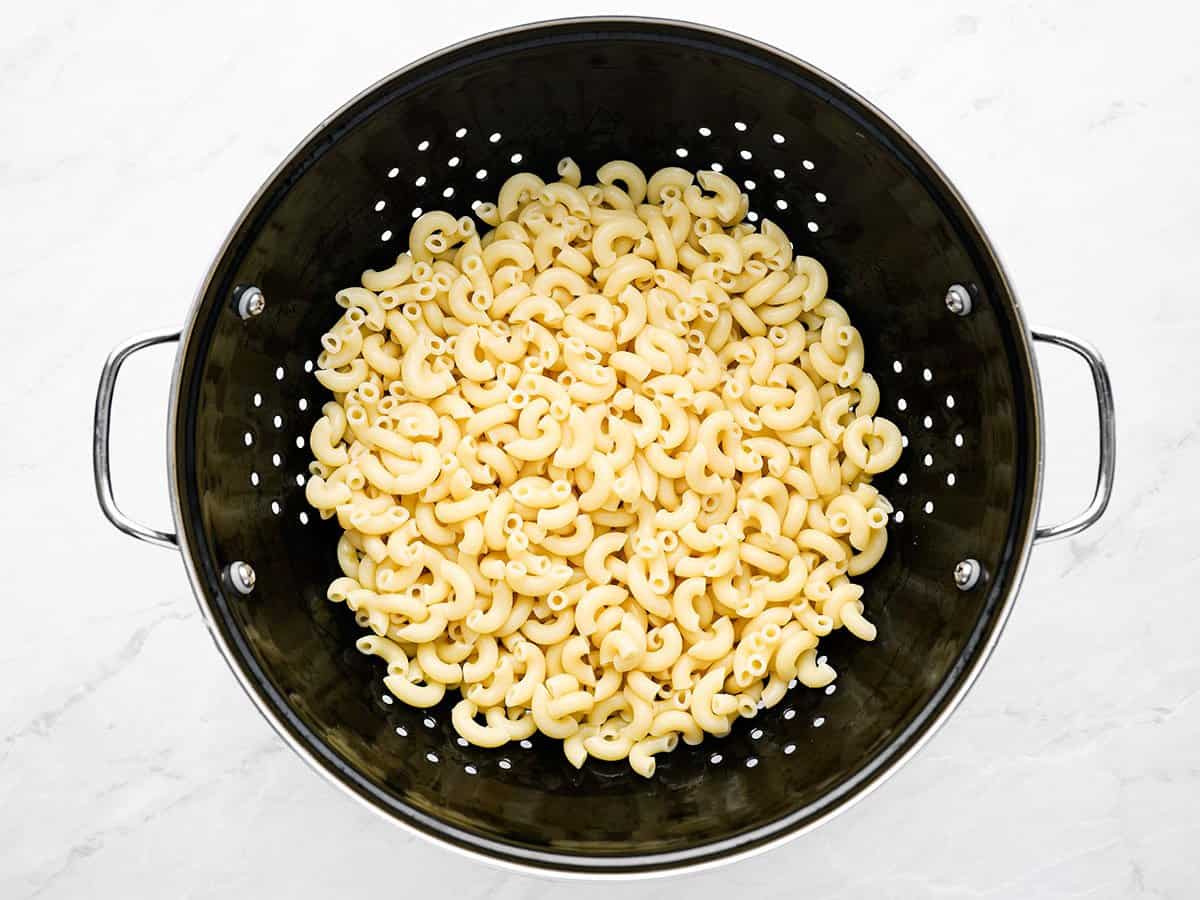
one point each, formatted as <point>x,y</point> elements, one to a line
<point>945,339</point>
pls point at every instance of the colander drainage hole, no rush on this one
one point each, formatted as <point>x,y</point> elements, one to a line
<point>302,404</point>
<point>380,206</point>
<point>257,399</point>
<point>779,173</point>
<point>254,479</point>
<point>704,131</point>
<point>494,137</point>
<point>949,401</point>
<point>299,442</point>
<point>681,152</point>
<point>402,731</point>
<point>958,440</point>
<point>782,204</point>
<point>715,759</point>
<point>777,138</point>
<point>416,213</point>
<point>902,404</point>
<point>950,479</point>
<point>789,714</point>
<point>461,133</point>
<point>431,756</point>
<point>505,764</point>
<point>752,216</point>
<point>470,770</point>
<point>927,375</point>
<point>275,508</point>
<point>745,154</point>
<point>740,126</point>
<point>928,459</point>
<point>386,236</point>
<point>393,172</point>
<point>387,699</point>
<point>789,749</point>
<point>420,182</point>
<point>927,422</point>
<point>453,162</point>
<point>750,184</point>
<point>423,146</point>
<point>814,227</point>
<point>717,167</point>
<point>829,690</point>
<point>897,367</point>
<point>303,518</point>
<point>461,742</point>
<point>808,164</point>
<point>899,516</point>
<point>308,365</point>
<point>248,438</point>
<point>820,198</point>
<point>429,721</point>
<point>928,507</point>
<point>448,192</point>
<point>527,744</point>
<point>515,158</point>
<point>276,460</point>
<point>818,721</point>
<point>902,479</point>
<point>279,373</point>
<point>752,762</point>
<point>756,734</point>
<point>300,481</point>
<point>278,421</point>
<point>481,174</point>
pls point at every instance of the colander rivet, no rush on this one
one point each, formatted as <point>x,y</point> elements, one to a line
<point>242,577</point>
<point>250,302</point>
<point>966,574</point>
<point>958,300</point>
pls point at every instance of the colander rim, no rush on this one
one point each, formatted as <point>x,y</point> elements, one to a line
<point>565,865</point>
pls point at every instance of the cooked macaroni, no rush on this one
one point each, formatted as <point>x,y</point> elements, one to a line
<point>604,468</point>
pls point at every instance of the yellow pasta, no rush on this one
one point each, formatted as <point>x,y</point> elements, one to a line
<point>603,468</point>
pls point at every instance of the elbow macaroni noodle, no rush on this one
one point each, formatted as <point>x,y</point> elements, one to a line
<point>603,468</point>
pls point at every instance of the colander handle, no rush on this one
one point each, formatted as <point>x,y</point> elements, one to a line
<point>100,467</point>
<point>1108,437</point>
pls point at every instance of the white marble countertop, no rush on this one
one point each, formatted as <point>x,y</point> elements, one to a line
<point>130,762</point>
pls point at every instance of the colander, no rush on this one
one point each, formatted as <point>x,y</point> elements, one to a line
<point>944,337</point>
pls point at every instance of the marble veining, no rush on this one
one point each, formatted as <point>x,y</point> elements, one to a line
<point>130,762</point>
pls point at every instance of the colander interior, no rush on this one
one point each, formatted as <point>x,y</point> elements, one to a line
<point>848,189</point>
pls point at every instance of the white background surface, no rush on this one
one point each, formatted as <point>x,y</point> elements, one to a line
<point>130,762</point>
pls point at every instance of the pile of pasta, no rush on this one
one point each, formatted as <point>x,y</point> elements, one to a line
<point>604,468</point>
